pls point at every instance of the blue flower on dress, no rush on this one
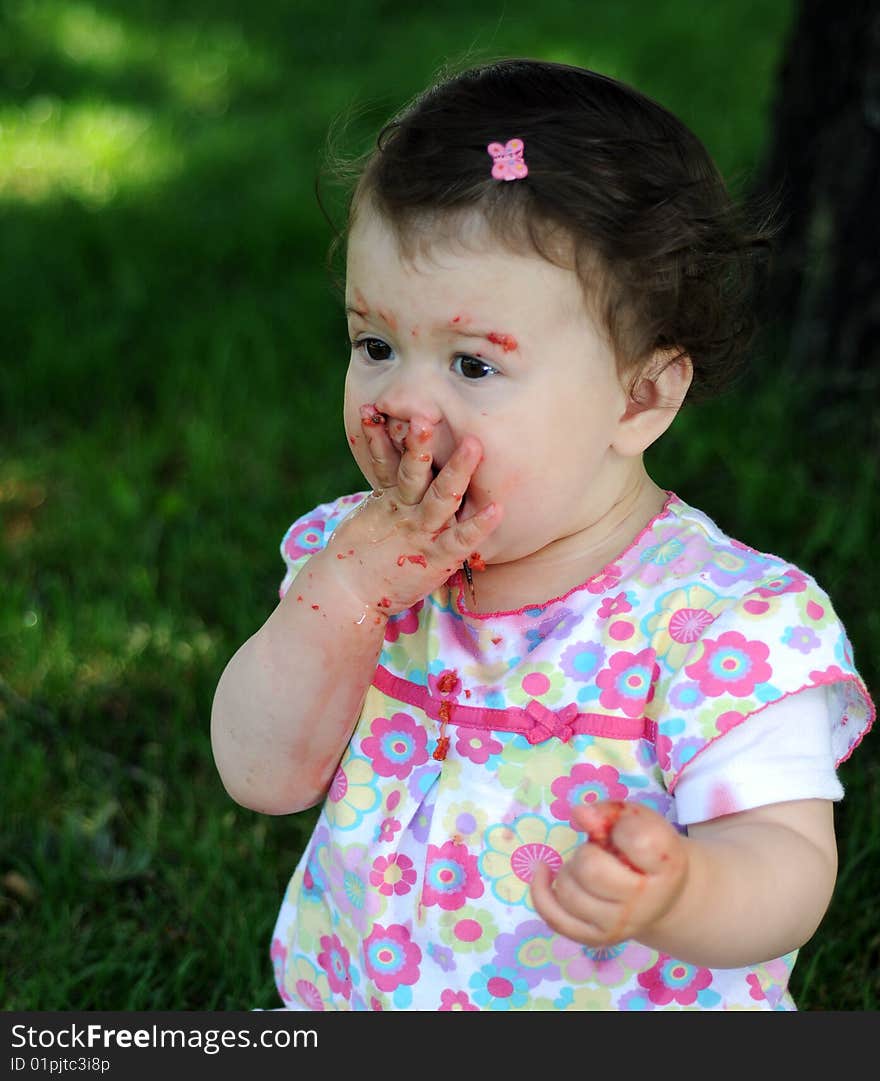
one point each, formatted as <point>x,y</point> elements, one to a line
<point>499,988</point>
<point>582,660</point>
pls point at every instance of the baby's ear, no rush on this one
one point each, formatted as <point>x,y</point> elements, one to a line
<point>655,396</point>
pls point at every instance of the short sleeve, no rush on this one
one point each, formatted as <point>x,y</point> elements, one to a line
<point>310,533</point>
<point>780,637</point>
<point>787,756</point>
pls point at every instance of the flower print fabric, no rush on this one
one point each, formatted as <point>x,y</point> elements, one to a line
<point>413,892</point>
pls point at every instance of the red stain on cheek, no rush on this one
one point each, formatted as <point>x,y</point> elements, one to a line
<point>506,341</point>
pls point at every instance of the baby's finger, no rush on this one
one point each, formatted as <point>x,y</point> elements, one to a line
<point>444,496</point>
<point>556,915</point>
<point>648,841</point>
<point>414,473</point>
<point>385,459</point>
<point>602,874</point>
<point>465,537</point>
<point>600,820</point>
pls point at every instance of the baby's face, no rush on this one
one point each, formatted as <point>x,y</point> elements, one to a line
<point>494,345</point>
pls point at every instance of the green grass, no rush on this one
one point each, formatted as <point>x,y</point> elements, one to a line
<point>170,402</point>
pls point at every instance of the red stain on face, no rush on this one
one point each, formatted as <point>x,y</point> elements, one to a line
<point>476,562</point>
<point>506,341</point>
<point>388,316</point>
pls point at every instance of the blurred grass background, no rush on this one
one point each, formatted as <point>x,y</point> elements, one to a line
<point>170,401</point>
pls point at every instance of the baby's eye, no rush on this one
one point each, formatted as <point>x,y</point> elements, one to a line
<point>472,367</point>
<point>367,345</point>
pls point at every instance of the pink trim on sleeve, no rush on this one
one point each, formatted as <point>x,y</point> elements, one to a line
<point>818,682</point>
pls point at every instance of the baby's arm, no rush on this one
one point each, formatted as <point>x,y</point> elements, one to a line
<point>288,700</point>
<point>738,890</point>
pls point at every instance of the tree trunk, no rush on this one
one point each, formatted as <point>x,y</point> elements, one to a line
<point>823,290</point>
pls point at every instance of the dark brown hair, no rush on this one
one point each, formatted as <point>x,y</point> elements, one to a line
<point>618,189</point>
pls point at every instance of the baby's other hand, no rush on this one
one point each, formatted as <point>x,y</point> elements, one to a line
<point>617,885</point>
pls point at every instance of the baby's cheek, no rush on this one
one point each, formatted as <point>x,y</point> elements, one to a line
<point>501,485</point>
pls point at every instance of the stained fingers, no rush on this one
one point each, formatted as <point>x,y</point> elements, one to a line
<point>414,473</point>
<point>384,456</point>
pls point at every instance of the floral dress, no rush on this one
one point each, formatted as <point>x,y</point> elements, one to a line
<point>481,732</point>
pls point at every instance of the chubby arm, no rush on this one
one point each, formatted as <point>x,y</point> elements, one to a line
<point>738,890</point>
<point>288,700</point>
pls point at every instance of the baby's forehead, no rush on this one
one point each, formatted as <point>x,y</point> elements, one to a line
<point>439,246</point>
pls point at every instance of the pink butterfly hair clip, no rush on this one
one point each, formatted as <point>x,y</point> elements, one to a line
<point>508,158</point>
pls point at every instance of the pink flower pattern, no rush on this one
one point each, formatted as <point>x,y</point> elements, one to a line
<point>391,958</point>
<point>451,876</point>
<point>393,874</point>
<point>396,745</point>
<point>585,783</point>
<point>334,959</point>
<point>674,981</point>
<point>628,681</point>
<point>731,664</point>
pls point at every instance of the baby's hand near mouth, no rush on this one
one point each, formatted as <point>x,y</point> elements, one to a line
<point>404,540</point>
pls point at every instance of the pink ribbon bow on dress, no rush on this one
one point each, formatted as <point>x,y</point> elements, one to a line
<point>547,723</point>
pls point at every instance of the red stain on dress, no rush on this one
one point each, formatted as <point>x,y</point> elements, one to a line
<point>475,562</point>
<point>722,801</point>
